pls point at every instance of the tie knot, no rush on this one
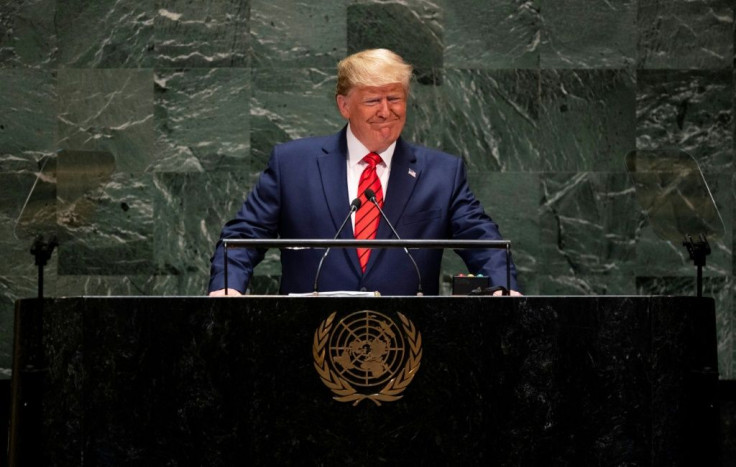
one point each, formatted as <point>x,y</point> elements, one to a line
<point>372,160</point>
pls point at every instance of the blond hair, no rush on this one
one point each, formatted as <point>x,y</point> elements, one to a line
<point>372,67</point>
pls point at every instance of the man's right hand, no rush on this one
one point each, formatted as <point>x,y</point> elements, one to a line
<point>221,293</point>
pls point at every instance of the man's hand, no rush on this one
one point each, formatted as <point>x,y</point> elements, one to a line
<point>221,293</point>
<point>513,293</point>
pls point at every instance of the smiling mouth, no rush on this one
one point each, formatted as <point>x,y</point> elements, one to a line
<point>384,123</point>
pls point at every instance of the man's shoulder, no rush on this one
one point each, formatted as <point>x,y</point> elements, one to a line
<point>432,155</point>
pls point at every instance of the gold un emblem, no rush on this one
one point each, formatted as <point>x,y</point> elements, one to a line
<point>367,356</point>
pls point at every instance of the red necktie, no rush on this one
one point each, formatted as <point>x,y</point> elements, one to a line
<point>367,217</point>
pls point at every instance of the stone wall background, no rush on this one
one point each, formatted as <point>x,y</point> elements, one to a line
<point>138,127</point>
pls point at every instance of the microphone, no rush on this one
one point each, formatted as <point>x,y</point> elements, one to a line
<point>354,206</point>
<point>370,195</point>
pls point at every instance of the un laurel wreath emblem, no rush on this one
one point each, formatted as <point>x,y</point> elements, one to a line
<point>366,355</point>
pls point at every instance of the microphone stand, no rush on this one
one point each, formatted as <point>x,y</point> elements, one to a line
<point>354,206</point>
<point>698,250</point>
<point>370,195</point>
<point>42,251</point>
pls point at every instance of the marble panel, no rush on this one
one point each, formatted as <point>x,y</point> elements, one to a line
<point>27,33</point>
<point>291,103</point>
<point>18,274</point>
<point>190,210</point>
<point>105,33</point>
<point>498,35</point>
<point>28,204</point>
<point>202,34</point>
<point>586,119</point>
<point>14,287</point>
<point>202,120</point>
<point>108,228</point>
<point>412,30</point>
<point>721,289</point>
<point>516,218</point>
<point>688,110</point>
<point>425,115</point>
<point>721,258</point>
<point>655,256</point>
<point>682,34</point>
<point>27,209</point>
<point>491,118</point>
<point>108,110</point>
<point>29,162</point>
<point>588,227</point>
<point>298,34</point>
<point>28,121</point>
<point>588,34</point>
<point>7,317</point>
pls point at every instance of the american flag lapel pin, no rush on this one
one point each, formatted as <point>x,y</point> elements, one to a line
<point>412,173</point>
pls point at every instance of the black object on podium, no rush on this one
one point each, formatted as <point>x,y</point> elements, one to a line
<point>365,381</point>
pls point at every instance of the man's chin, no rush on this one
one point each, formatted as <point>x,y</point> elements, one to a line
<point>388,132</point>
<point>386,140</point>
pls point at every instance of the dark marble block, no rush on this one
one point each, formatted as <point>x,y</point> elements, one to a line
<point>528,381</point>
<point>399,28</point>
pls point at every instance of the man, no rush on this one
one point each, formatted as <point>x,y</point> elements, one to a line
<point>307,188</point>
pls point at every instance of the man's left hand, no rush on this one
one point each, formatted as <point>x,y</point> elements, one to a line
<point>512,293</point>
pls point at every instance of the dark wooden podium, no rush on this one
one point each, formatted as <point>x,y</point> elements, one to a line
<point>483,381</point>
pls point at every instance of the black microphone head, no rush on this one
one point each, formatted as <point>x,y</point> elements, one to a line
<point>355,205</point>
<point>369,194</point>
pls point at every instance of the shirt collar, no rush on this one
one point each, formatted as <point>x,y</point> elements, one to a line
<point>357,150</point>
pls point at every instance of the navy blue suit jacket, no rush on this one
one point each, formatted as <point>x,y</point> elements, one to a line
<point>303,193</point>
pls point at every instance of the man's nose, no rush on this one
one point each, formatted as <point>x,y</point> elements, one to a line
<point>383,110</point>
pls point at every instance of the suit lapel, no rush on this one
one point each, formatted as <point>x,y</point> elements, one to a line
<point>405,172</point>
<point>333,174</point>
<point>334,178</point>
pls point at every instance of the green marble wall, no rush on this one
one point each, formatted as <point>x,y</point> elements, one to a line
<point>138,127</point>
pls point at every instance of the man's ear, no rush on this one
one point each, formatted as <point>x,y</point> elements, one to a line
<point>342,106</point>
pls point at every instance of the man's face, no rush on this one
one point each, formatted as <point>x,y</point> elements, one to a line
<point>376,114</point>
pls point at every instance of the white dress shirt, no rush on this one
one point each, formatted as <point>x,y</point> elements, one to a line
<point>356,152</point>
